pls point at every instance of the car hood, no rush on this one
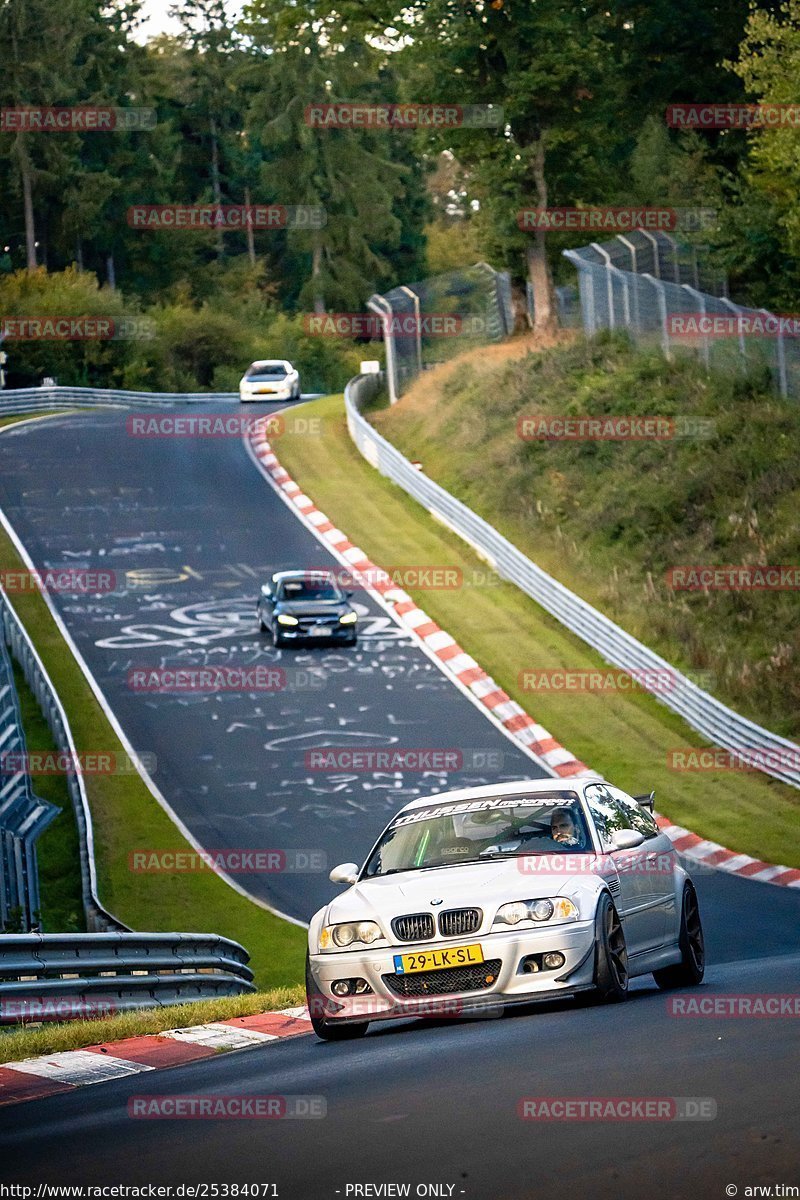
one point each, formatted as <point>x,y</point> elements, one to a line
<point>312,608</point>
<point>483,885</point>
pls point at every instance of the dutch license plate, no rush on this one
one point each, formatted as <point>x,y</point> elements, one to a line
<point>321,631</point>
<point>435,960</point>
<point>265,391</point>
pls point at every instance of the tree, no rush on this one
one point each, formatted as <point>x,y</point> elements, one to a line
<point>356,176</point>
<point>769,67</point>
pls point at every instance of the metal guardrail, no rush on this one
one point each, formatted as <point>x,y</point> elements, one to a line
<point>23,815</point>
<point>68,976</point>
<point>702,711</point>
<point>20,400</point>
<point>15,636</point>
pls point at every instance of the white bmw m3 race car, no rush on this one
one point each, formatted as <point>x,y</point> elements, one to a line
<point>476,899</point>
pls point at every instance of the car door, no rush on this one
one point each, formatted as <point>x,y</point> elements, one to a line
<point>660,861</point>
<point>642,918</point>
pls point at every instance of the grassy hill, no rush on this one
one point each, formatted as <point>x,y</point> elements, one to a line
<point>611,518</point>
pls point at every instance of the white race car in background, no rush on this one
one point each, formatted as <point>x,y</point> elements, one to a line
<point>270,379</point>
<point>499,895</point>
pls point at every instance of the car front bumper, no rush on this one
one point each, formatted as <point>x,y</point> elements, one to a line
<point>341,633</point>
<point>513,984</point>
<point>278,394</point>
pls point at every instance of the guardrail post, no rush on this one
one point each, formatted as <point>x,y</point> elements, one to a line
<point>662,309</point>
<point>702,302</point>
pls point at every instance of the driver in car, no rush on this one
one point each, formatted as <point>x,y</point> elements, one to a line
<point>563,828</point>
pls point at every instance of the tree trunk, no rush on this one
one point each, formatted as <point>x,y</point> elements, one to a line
<point>79,254</point>
<point>215,181</point>
<point>545,318</point>
<point>316,270</point>
<point>27,199</point>
<point>251,241</point>
<point>111,272</point>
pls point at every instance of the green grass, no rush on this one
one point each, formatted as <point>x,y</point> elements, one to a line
<point>608,519</point>
<point>126,817</point>
<point>58,848</point>
<point>16,1044</point>
<point>624,736</point>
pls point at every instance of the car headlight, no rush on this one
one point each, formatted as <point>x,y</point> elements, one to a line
<point>553,909</point>
<point>285,619</point>
<point>348,618</point>
<point>365,932</point>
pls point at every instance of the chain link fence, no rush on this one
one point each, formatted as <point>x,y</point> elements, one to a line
<point>430,322</point>
<point>662,293</point>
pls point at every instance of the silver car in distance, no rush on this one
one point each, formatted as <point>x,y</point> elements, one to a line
<point>505,894</point>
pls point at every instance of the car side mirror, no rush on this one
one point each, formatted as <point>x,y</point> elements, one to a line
<point>344,873</point>
<point>265,590</point>
<point>626,839</point>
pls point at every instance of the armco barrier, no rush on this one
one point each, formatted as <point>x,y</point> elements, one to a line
<point>46,399</point>
<point>23,816</point>
<point>69,976</point>
<point>15,636</point>
<point>703,712</point>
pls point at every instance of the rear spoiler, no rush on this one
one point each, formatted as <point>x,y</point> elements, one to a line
<point>646,801</point>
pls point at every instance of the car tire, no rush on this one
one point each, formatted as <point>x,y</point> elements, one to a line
<point>692,967</point>
<point>329,1031</point>
<point>610,954</point>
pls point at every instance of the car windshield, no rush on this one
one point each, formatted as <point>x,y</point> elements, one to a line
<point>274,371</point>
<point>478,830</point>
<point>309,589</point>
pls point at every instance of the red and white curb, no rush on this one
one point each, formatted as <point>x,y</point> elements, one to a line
<point>462,667</point>
<point>51,1074</point>
<point>455,661</point>
<point>711,855</point>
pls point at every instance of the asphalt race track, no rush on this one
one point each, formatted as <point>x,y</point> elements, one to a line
<point>191,529</point>
<point>421,1103</point>
<point>438,1103</point>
